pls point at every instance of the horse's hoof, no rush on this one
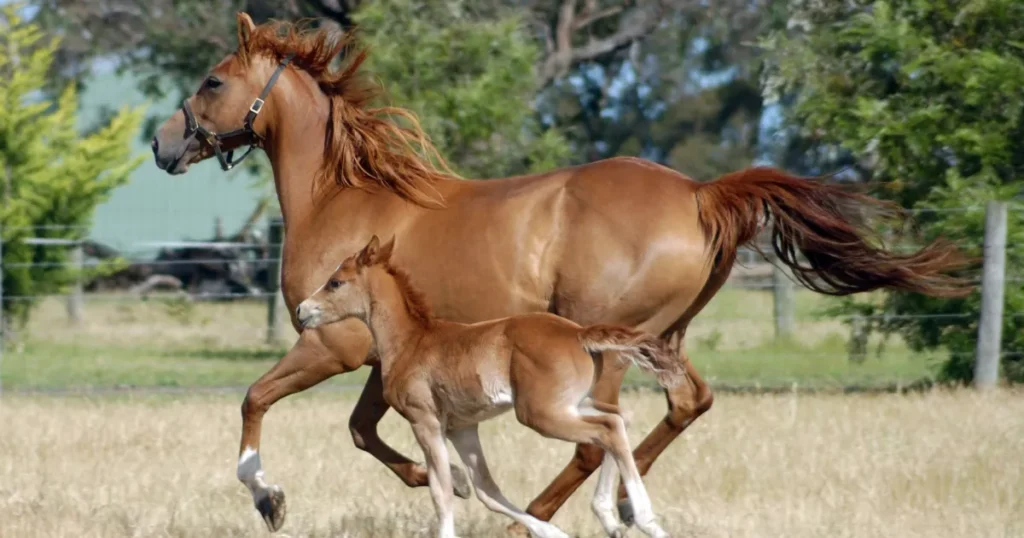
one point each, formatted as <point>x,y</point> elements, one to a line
<point>273,509</point>
<point>460,483</point>
<point>517,530</point>
<point>626,513</point>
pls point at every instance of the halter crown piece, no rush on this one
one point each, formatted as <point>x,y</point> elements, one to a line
<point>215,140</point>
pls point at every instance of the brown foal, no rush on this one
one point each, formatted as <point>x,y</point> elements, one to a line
<point>622,241</point>
<point>446,377</point>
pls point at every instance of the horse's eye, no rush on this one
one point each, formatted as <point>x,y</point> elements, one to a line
<point>213,83</point>
<point>334,284</point>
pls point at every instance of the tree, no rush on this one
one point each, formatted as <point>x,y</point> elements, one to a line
<point>52,177</point>
<point>926,95</point>
<point>686,95</point>
<point>464,76</point>
<point>149,33</point>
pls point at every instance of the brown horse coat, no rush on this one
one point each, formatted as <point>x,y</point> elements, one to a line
<point>620,241</point>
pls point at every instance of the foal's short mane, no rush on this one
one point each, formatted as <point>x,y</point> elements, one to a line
<point>415,303</point>
<point>364,146</point>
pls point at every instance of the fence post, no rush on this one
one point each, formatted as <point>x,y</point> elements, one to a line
<point>275,240</point>
<point>75,298</point>
<point>782,294</point>
<point>993,276</point>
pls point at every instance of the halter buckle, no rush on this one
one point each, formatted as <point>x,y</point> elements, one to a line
<point>257,106</point>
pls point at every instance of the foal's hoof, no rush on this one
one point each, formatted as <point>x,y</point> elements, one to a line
<point>626,513</point>
<point>517,530</point>
<point>460,483</point>
<point>272,507</point>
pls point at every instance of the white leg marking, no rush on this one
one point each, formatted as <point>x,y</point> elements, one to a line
<point>439,476</point>
<point>250,472</point>
<point>642,511</point>
<point>603,504</point>
<point>467,443</point>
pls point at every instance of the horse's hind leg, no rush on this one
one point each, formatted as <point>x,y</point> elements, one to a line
<point>467,443</point>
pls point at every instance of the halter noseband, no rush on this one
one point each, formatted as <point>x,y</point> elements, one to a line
<point>214,140</point>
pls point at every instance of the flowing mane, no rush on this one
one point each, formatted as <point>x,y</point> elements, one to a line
<point>364,146</point>
<point>415,303</point>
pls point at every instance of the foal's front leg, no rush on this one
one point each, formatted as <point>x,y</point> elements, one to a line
<point>467,444</point>
<point>369,410</point>
<point>430,436</point>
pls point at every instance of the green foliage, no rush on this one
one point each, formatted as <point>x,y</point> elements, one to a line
<point>687,95</point>
<point>929,94</point>
<point>51,177</point>
<point>468,78</point>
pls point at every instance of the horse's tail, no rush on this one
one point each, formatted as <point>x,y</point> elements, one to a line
<point>828,225</point>
<point>646,351</point>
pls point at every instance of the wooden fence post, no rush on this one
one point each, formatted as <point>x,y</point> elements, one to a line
<point>993,277</point>
<point>75,298</point>
<point>782,295</point>
<point>275,239</point>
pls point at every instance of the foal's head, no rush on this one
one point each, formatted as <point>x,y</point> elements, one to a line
<point>346,293</point>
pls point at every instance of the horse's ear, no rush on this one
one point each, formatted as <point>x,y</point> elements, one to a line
<point>385,251</point>
<point>368,256</point>
<point>245,30</point>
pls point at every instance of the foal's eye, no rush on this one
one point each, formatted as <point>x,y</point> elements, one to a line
<point>212,83</point>
<point>334,284</point>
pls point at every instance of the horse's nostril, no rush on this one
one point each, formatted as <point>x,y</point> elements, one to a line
<point>298,311</point>
<point>155,145</point>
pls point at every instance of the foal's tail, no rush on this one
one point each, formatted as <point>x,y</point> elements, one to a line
<point>648,352</point>
<point>828,225</point>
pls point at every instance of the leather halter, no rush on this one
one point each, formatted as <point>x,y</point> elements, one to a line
<point>214,140</point>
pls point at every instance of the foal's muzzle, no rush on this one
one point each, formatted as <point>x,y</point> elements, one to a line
<point>308,315</point>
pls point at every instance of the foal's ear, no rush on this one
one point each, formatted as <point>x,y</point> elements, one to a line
<point>245,30</point>
<point>384,255</point>
<point>368,256</point>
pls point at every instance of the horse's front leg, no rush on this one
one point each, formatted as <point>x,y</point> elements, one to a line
<point>368,412</point>
<point>318,355</point>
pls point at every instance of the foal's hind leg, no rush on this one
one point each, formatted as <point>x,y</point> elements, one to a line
<point>467,444</point>
<point>587,457</point>
<point>686,402</point>
<point>552,418</point>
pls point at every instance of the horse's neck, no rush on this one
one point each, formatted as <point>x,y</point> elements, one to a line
<point>295,147</point>
<point>393,326</point>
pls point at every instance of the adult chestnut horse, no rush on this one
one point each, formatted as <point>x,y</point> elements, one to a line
<point>621,241</point>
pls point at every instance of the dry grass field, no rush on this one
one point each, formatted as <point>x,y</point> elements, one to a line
<point>938,464</point>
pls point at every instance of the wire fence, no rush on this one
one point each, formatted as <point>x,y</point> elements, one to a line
<point>247,270</point>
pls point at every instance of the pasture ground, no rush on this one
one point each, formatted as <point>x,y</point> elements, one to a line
<point>936,464</point>
<point>160,343</point>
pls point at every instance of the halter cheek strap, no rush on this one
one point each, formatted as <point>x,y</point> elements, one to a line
<point>215,140</point>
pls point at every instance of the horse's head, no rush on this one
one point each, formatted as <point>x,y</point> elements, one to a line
<point>222,114</point>
<point>346,293</point>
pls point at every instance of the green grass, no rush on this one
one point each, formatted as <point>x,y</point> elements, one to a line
<point>157,344</point>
